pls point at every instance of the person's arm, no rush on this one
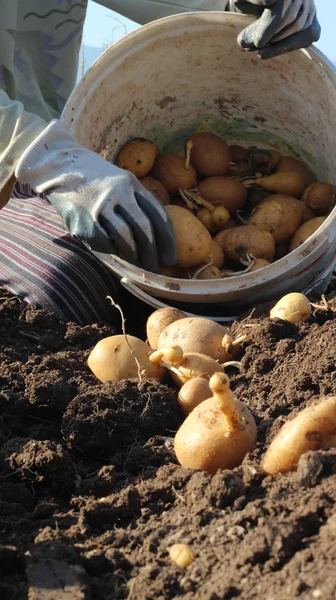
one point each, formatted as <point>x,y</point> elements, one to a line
<point>18,129</point>
<point>144,11</point>
<point>100,204</point>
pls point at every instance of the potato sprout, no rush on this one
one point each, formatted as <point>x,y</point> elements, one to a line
<point>218,433</point>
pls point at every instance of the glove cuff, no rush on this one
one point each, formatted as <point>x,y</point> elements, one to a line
<point>43,151</point>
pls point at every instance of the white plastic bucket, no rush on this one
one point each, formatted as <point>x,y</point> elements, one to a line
<point>184,74</point>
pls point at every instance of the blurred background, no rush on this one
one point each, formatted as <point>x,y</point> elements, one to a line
<point>104,27</point>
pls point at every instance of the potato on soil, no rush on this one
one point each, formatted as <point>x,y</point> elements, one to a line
<point>196,334</point>
<point>171,172</point>
<point>222,191</point>
<point>288,183</point>
<point>192,239</point>
<point>210,155</point>
<point>319,197</point>
<point>238,242</point>
<point>158,321</point>
<point>280,215</point>
<point>288,163</point>
<point>156,188</point>
<point>293,307</point>
<point>313,428</point>
<point>112,360</point>
<point>138,156</point>
<point>218,433</point>
<point>193,393</point>
<point>304,232</point>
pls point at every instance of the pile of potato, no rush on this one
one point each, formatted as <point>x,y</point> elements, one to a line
<point>218,430</point>
<point>234,209</point>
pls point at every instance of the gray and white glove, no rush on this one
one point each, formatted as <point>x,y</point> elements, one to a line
<point>281,25</point>
<point>102,205</point>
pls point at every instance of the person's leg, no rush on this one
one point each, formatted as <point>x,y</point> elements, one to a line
<point>42,264</point>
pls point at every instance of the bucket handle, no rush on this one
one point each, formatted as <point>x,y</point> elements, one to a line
<point>142,295</point>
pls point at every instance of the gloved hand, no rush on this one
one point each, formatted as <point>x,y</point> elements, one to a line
<point>102,205</point>
<point>281,25</point>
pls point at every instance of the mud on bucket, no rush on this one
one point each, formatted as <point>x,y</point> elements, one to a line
<point>186,74</point>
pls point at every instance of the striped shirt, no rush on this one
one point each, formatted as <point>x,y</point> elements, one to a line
<point>42,264</point>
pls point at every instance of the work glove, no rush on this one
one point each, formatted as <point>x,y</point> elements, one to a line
<point>281,25</point>
<point>101,205</point>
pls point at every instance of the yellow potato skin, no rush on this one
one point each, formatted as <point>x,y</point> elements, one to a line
<point>192,239</point>
<point>138,156</point>
<point>209,155</point>
<point>304,232</point>
<point>111,359</point>
<point>236,243</point>
<point>280,215</point>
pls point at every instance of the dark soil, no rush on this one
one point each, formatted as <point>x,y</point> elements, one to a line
<point>91,496</point>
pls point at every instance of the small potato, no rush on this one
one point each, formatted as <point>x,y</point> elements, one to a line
<point>112,360</point>
<point>288,163</point>
<point>196,334</point>
<point>182,555</point>
<point>312,429</point>
<point>280,215</point>
<point>294,307</point>
<point>216,255</point>
<point>138,156</point>
<point>156,188</point>
<point>209,154</point>
<point>265,160</point>
<point>304,232</point>
<point>290,184</point>
<point>238,242</point>
<point>192,239</point>
<point>171,172</point>
<point>260,263</point>
<point>205,272</point>
<point>238,154</point>
<point>220,216</point>
<point>193,393</point>
<point>158,321</point>
<point>221,191</point>
<point>320,197</point>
